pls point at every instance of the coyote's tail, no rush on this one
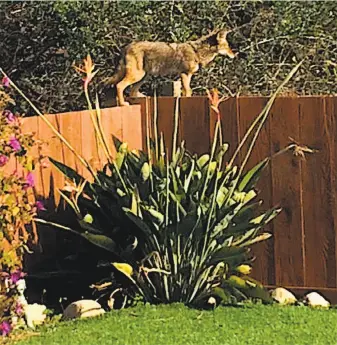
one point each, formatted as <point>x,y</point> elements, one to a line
<point>117,77</point>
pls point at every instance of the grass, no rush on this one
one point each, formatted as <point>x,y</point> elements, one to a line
<point>176,324</point>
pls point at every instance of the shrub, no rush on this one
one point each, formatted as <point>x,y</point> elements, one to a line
<point>175,228</point>
<point>18,205</point>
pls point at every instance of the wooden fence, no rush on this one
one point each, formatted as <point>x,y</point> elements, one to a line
<point>302,252</point>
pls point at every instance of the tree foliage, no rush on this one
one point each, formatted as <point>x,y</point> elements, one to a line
<point>41,41</point>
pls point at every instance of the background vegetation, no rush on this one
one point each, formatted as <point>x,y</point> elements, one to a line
<point>41,41</point>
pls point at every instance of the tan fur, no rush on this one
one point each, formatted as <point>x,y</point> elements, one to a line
<point>142,59</point>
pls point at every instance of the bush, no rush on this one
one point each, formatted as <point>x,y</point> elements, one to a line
<point>18,206</point>
<point>41,40</point>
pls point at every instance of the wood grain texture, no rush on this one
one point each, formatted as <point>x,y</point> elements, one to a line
<point>50,178</point>
<point>286,181</point>
<point>144,103</point>
<point>248,110</point>
<point>165,119</point>
<point>302,251</point>
<point>318,131</point>
<point>131,123</point>
<point>229,117</point>
<point>194,119</point>
<point>70,125</point>
<point>89,145</point>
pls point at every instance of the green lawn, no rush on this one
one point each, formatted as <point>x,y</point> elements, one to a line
<point>176,324</point>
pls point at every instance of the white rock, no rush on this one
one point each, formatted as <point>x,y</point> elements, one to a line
<point>34,314</point>
<point>82,309</point>
<point>211,301</point>
<point>314,299</point>
<point>20,288</point>
<point>283,296</point>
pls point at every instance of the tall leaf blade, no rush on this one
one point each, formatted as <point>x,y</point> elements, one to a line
<point>67,171</point>
<point>252,176</point>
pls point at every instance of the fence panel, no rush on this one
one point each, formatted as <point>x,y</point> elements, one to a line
<point>165,119</point>
<point>229,124</point>
<point>286,181</point>
<point>318,131</point>
<point>249,108</point>
<point>195,124</point>
<point>302,252</point>
<point>76,127</point>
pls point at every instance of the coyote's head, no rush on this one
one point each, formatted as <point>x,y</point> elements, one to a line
<point>223,46</point>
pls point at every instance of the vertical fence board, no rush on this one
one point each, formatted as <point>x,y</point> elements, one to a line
<point>88,144</point>
<point>166,106</point>
<point>144,103</point>
<point>229,125</point>
<point>112,124</point>
<point>70,124</point>
<point>131,123</point>
<point>194,119</point>
<point>318,131</point>
<point>50,178</point>
<point>288,235</point>
<point>249,108</point>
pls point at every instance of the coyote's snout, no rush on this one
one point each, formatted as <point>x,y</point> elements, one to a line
<point>142,59</point>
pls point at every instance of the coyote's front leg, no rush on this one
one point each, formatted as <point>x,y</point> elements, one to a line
<point>186,80</point>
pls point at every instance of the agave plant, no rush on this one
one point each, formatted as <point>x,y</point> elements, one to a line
<point>188,233</point>
<point>178,229</point>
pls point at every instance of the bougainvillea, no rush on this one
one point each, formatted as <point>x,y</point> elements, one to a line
<point>18,205</point>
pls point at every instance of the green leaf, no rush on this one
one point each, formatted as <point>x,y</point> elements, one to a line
<point>246,213</point>
<point>89,227</point>
<point>101,241</point>
<point>138,222</point>
<point>233,256</point>
<point>252,176</point>
<point>250,287</point>
<point>178,188</point>
<point>223,294</point>
<point>117,142</point>
<point>120,156</point>
<point>67,171</point>
<point>257,239</point>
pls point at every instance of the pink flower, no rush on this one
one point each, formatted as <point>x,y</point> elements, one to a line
<point>5,328</point>
<point>16,276</point>
<point>9,116</point>
<point>5,81</point>
<point>14,144</point>
<point>3,160</point>
<point>40,206</point>
<point>30,180</point>
<point>19,309</point>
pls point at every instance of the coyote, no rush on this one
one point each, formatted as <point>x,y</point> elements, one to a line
<point>142,59</point>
